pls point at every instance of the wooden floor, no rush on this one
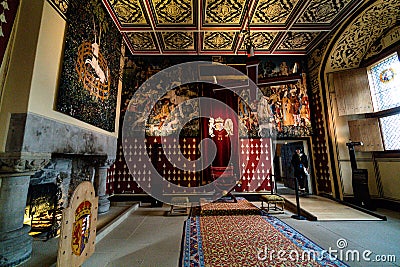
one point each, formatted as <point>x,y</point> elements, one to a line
<point>325,209</point>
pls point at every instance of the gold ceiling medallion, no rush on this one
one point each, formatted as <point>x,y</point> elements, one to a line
<point>298,40</point>
<point>273,10</point>
<point>173,11</point>
<point>323,11</point>
<point>142,41</point>
<point>178,40</point>
<point>93,70</point>
<point>224,11</point>
<point>261,40</point>
<point>129,12</point>
<point>218,40</point>
<point>387,75</point>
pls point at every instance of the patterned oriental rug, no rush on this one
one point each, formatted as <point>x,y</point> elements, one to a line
<point>242,207</point>
<point>251,240</point>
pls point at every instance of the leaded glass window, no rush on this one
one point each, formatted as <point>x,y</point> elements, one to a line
<point>385,83</point>
<point>391,132</point>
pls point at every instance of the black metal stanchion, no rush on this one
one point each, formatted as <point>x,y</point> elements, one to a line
<point>297,216</point>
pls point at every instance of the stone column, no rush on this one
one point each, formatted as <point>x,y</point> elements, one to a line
<point>15,174</point>
<point>15,243</point>
<point>101,181</point>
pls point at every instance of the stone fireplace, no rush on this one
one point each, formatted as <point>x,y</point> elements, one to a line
<point>46,157</point>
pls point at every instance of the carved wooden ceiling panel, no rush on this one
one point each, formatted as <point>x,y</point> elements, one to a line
<point>202,27</point>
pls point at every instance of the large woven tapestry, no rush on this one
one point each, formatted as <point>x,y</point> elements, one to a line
<point>89,79</point>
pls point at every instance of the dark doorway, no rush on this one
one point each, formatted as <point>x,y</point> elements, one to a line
<point>283,169</point>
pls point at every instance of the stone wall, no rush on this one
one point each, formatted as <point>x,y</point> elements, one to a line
<point>33,133</point>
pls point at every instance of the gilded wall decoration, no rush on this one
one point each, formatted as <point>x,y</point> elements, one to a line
<point>178,40</point>
<point>218,40</point>
<point>129,12</point>
<point>142,40</point>
<point>224,11</point>
<point>90,71</point>
<point>323,11</point>
<point>298,40</point>
<point>358,37</point>
<point>391,37</point>
<point>60,5</point>
<point>319,138</point>
<point>273,11</point>
<point>173,11</point>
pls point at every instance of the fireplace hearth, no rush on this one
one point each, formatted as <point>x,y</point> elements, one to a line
<point>44,210</point>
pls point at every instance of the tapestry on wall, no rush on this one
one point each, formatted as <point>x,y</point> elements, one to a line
<point>248,117</point>
<point>285,109</point>
<point>8,11</point>
<point>168,114</point>
<point>279,67</point>
<point>89,79</point>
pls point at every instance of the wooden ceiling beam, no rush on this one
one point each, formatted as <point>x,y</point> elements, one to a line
<point>153,24</point>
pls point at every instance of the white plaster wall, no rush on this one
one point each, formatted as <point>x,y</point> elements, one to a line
<point>390,177</point>
<point>18,75</point>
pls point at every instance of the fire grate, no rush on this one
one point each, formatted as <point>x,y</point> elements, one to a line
<point>44,210</point>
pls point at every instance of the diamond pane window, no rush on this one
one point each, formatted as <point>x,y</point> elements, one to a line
<point>391,132</point>
<point>385,83</point>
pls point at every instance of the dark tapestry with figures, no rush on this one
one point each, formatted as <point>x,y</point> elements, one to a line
<point>90,73</point>
<point>8,11</point>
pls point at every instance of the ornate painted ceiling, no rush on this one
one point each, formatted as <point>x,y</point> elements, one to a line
<point>223,27</point>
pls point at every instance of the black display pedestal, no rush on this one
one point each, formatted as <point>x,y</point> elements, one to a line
<point>359,179</point>
<point>297,216</point>
<point>360,188</point>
